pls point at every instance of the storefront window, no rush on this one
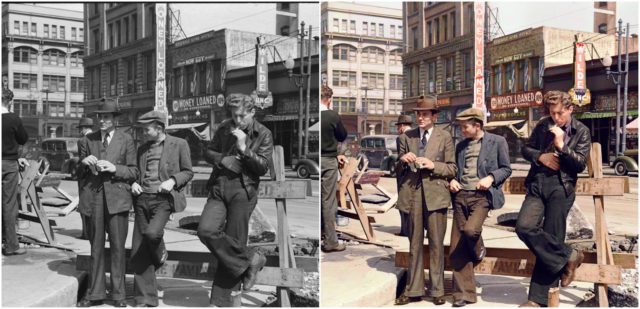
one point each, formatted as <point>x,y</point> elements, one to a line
<point>535,73</point>
<point>522,71</point>
<point>510,77</point>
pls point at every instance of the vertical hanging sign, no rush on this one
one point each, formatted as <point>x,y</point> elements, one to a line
<point>161,16</point>
<point>478,87</point>
<point>262,95</point>
<point>580,95</point>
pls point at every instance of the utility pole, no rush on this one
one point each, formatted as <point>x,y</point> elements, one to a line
<point>619,32</point>
<point>626,91</point>
<point>306,109</point>
<point>301,90</point>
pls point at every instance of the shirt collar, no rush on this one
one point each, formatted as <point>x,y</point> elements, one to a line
<point>323,107</point>
<point>109,133</point>
<point>5,110</point>
<point>428,132</point>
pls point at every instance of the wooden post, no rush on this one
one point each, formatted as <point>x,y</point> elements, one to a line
<point>554,297</point>
<point>347,186</point>
<point>28,189</point>
<point>285,251</point>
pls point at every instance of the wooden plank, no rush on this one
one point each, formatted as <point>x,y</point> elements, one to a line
<point>624,260</point>
<point>290,189</point>
<point>49,181</point>
<point>362,213</point>
<point>354,216</point>
<point>393,199</point>
<point>369,178</point>
<point>609,186</point>
<point>282,236</point>
<point>554,297</point>
<point>606,274</point>
<point>361,173</point>
<point>603,246</point>
<point>73,205</point>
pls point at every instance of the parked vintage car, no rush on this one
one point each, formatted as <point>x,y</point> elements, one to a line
<point>625,163</point>
<point>380,151</point>
<point>61,154</point>
<point>307,166</point>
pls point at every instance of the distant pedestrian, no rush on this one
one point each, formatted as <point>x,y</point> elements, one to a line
<point>558,150</point>
<point>85,126</point>
<point>402,125</point>
<point>13,135</point>
<point>483,165</point>
<point>332,132</point>
<point>164,162</point>
<point>241,151</point>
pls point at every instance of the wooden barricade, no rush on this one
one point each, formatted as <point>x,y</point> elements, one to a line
<point>284,273</point>
<point>601,268</point>
<point>347,185</point>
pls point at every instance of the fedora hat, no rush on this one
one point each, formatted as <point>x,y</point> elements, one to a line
<point>425,104</point>
<point>404,119</point>
<point>108,107</point>
<point>85,122</point>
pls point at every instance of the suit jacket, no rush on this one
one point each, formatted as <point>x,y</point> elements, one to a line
<point>257,156</point>
<point>117,186</point>
<point>492,160</point>
<point>175,162</point>
<point>435,182</point>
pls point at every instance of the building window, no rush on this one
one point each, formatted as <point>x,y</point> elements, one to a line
<point>414,38</point>
<point>373,80</point>
<point>352,26</point>
<point>53,82</point>
<point>118,34</point>
<point>395,57</point>
<point>602,28</point>
<point>497,80</point>
<point>344,78</point>
<point>25,28</point>
<point>522,71</point>
<point>344,26</point>
<point>395,82</point>
<point>77,84</point>
<point>53,57</point>
<point>152,17</point>
<point>395,107</point>
<point>46,30</point>
<point>81,37</point>
<point>130,75</point>
<point>449,73</point>
<point>25,81</point>
<point>392,31</point>
<point>373,29</point>
<point>134,27</point>
<point>62,34</point>
<point>400,32</point>
<point>535,74</point>
<point>453,24</point>
<point>202,78</point>
<point>344,105</point>
<point>336,25</point>
<point>602,4</point>
<point>446,27</point>
<point>113,78</point>
<point>431,77</point>
<point>372,55</point>
<point>25,55</point>
<point>344,52</point>
<point>373,106</point>
<point>150,71</point>
<point>430,34</point>
<point>54,31</point>
<point>111,38</point>
<point>191,81</point>
<point>16,27</point>
<point>74,34</point>
<point>414,80</point>
<point>467,60</point>
<point>76,110</point>
<point>96,85</point>
<point>96,41</point>
<point>34,29</point>
<point>54,109</point>
<point>25,107</point>
<point>381,30</point>
<point>510,75</point>
<point>436,24</point>
<point>365,28</point>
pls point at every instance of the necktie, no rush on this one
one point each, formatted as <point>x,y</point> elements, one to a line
<point>424,138</point>
<point>105,143</point>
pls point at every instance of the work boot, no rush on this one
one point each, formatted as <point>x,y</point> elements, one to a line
<point>251,274</point>
<point>20,251</point>
<point>570,269</point>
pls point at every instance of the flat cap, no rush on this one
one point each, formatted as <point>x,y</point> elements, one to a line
<point>153,116</point>
<point>471,113</point>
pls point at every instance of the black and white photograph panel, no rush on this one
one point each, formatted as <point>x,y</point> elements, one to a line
<point>160,154</point>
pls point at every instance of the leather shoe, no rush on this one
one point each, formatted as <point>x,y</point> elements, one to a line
<point>438,300</point>
<point>88,303</point>
<point>257,262</point>
<point>403,300</point>
<point>570,269</point>
<point>144,305</point>
<point>20,251</point>
<point>459,303</point>
<point>120,303</point>
<point>339,247</point>
<point>529,303</point>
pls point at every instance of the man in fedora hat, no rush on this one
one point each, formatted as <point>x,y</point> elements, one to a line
<point>13,136</point>
<point>164,163</point>
<point>427,154</point>
<point>483,166</point>
<point>240,152</point>
<point>85,126</point>
<point>402,125</point>
<point>109,160</point>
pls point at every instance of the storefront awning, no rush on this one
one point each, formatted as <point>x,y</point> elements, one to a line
<point>269,118</point>
<point>182,126</point>
<point>502,123</point>
<point>631,112</point>
<point>523,132</point>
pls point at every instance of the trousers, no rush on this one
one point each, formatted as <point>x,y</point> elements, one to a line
<point>10,204</point>
<point>329,200</point>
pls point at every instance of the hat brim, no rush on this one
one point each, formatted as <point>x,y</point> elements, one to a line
<point>415,109</point>
<point>115,113</point>
<point>468,118</point>
<point>397,123</point>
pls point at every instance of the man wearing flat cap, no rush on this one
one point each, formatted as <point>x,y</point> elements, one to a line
<point>164,163</point>
<point>85,126</point>
<point>109,160</point>
<point>402,125</point>
<point>483,165</point>
<point>428,158</point>
<point>240,152</point>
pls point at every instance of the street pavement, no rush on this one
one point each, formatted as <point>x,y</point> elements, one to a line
<point>46,277</point>
<point>373,280</point>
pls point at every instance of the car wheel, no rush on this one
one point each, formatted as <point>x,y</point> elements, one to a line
<point>620,168</point>
<point>303,172</point>
<point>392,169</point>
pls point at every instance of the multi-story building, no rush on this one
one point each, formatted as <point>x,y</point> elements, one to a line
<point>120,57</point>
<point>439,61</point>
<point>362,62</point>
<point>42,59</point>
<point>604,17</point>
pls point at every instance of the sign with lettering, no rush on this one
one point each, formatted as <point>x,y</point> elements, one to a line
<point>512,37</point>
<point>478,92</point>
<point>195,60</point>
<point>522,99</point>
<point>262,70</point>
<point>515,57</point>
<point>161,16</point>
<point>443,102</point>
<point>197,103</point>
<point>605,103</point>
<point>580,95</point>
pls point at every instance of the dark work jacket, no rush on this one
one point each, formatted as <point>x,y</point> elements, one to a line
<point>175,162</point>
<point>493,160</point>
<point>256,158</point>
<point>573,156</point>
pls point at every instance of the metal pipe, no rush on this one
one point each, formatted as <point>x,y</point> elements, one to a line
<point>306,109</point>
<point>626,92</point>
<point>617,151</point>
<point>300,86</point>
